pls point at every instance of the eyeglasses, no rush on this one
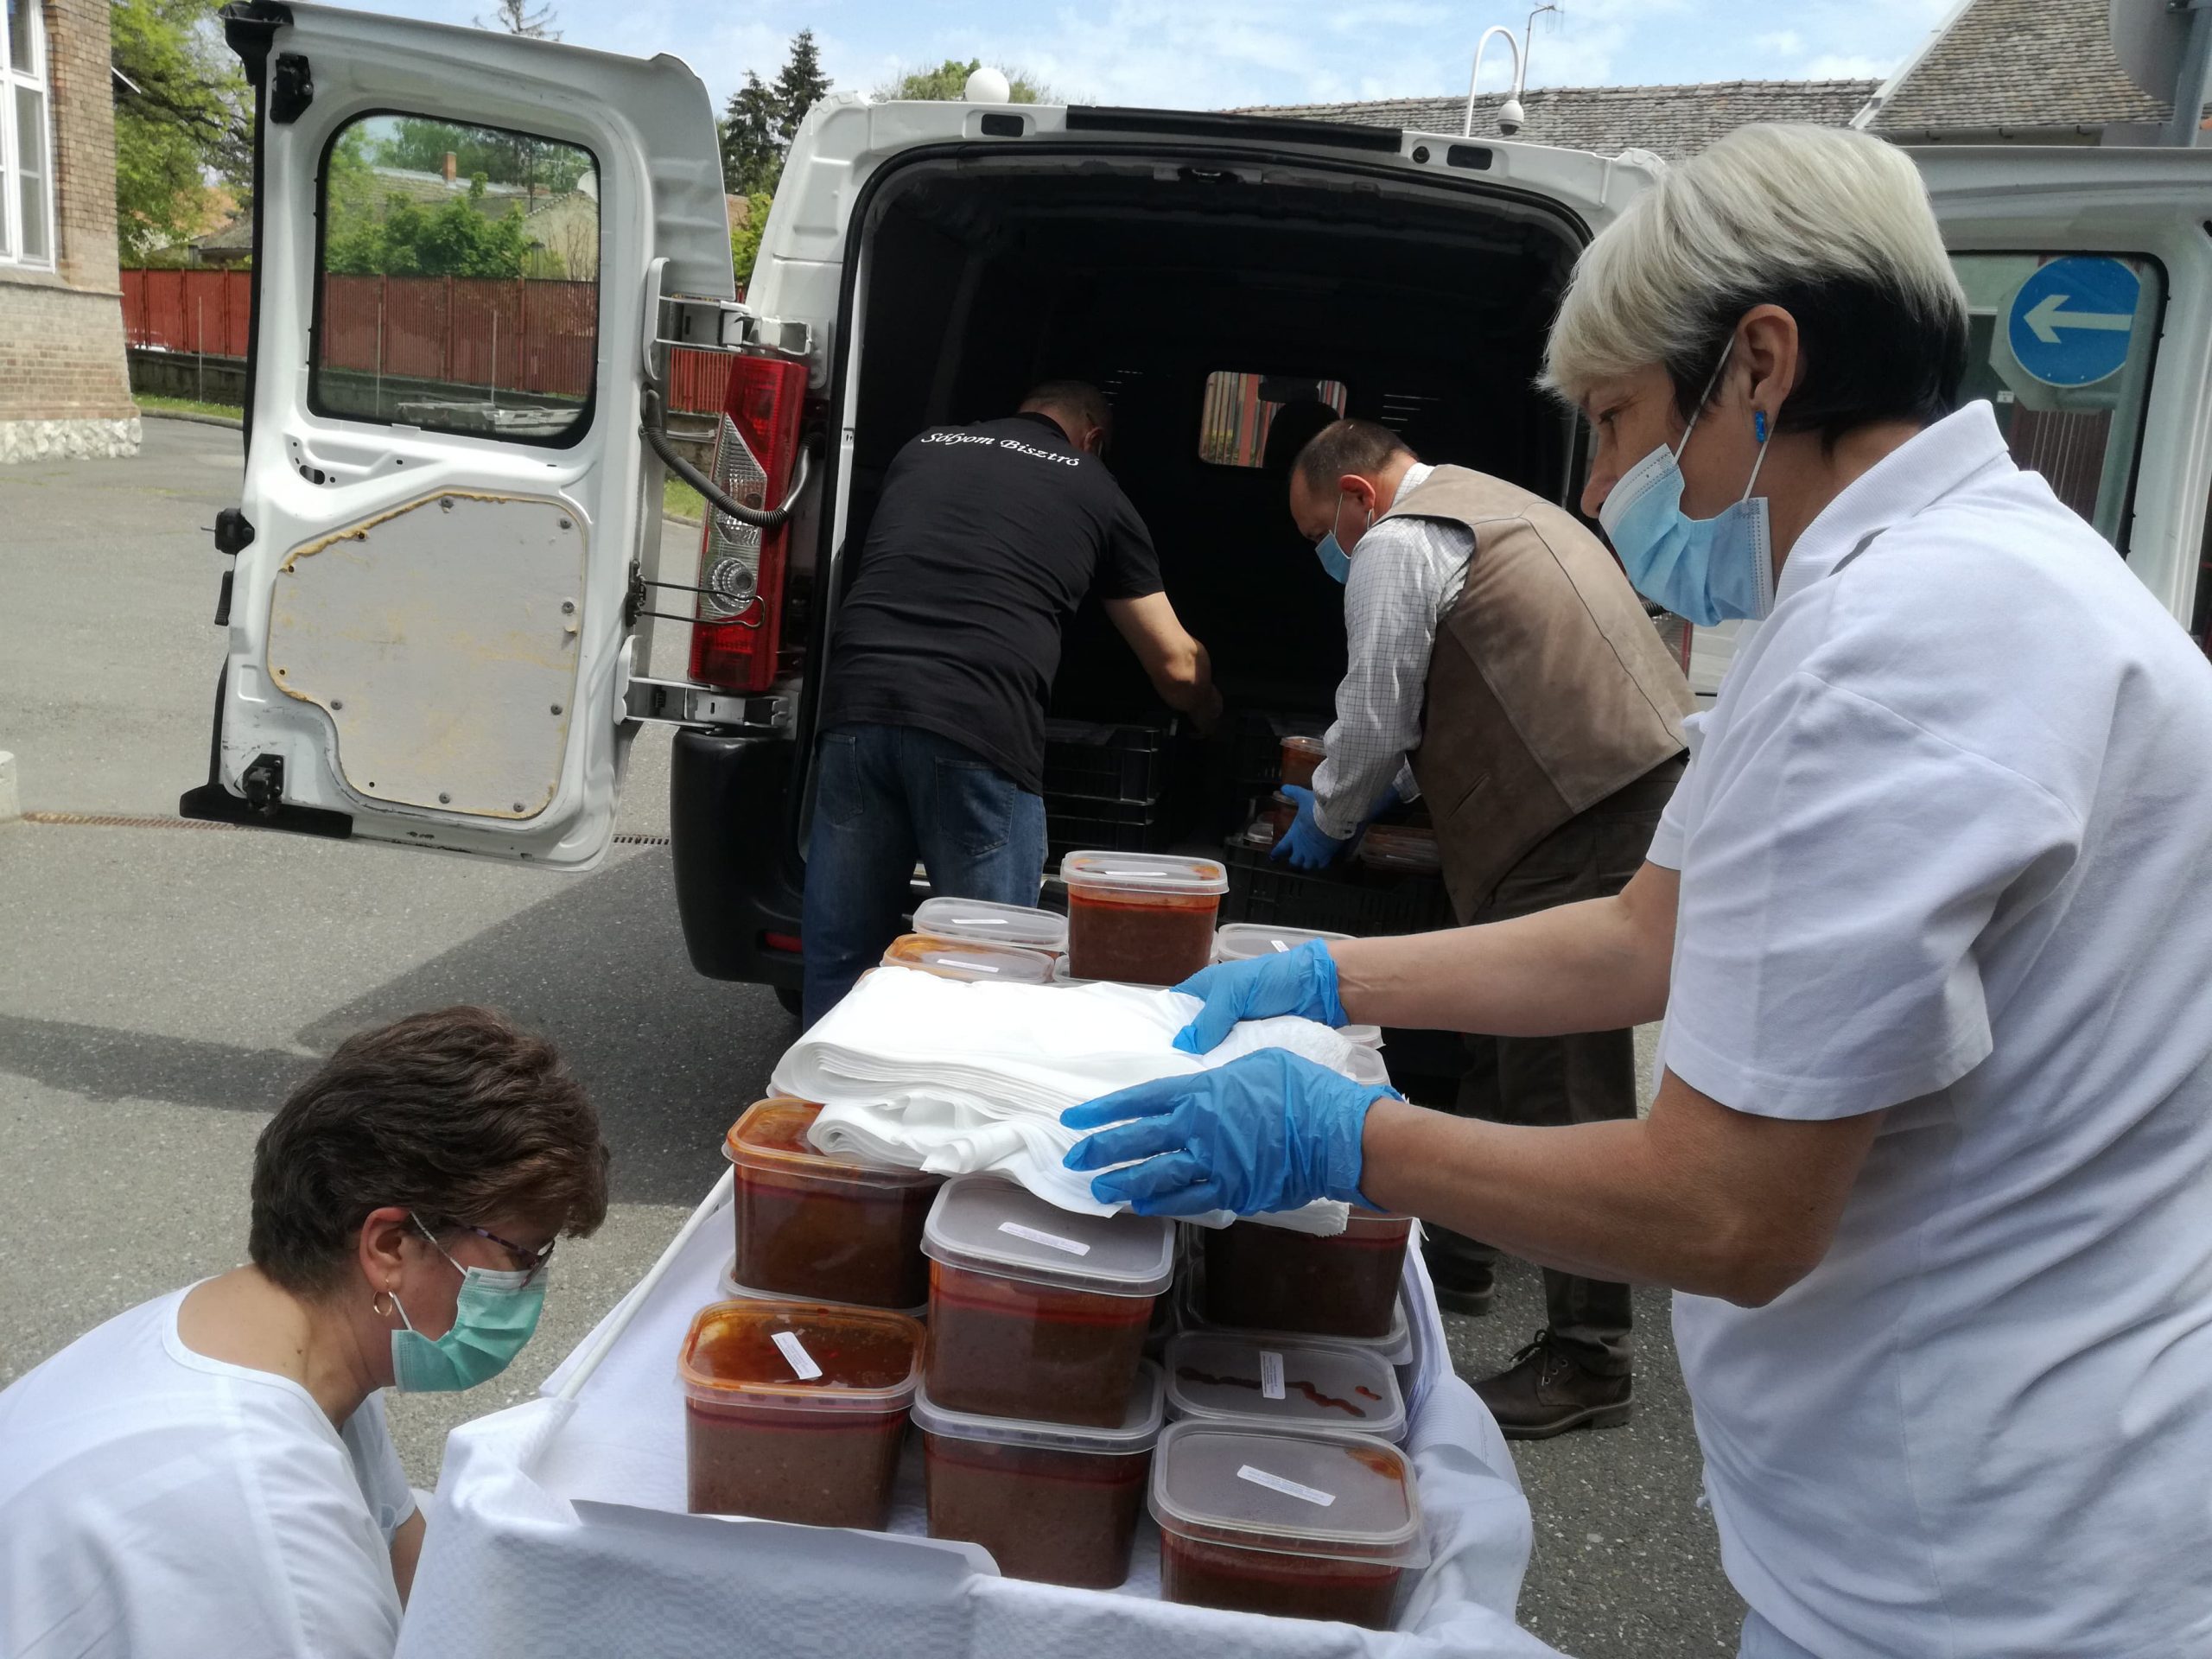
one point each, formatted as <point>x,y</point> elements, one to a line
<point>530,1262</point>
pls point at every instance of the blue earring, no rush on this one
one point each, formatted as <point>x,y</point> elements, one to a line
<point>1759,424</point>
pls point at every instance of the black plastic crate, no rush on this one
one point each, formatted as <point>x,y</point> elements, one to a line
<point>1354,900</point>
<point>1110,826</point>
<point>1089,762</point>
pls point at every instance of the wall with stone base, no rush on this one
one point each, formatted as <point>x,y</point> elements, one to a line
<point>88,439</point>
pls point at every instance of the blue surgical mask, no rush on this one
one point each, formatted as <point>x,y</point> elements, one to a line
<point>496,1314</point>
<point>1331,552</point>
<point>1703,569</point>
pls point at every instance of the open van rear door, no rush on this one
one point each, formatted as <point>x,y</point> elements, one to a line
<point>2088,276</point>
<point>461,242</point>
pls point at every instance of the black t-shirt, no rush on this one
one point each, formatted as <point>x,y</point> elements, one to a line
<point>985,541</point>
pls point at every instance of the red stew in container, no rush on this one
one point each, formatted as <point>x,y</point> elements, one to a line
<point>1049,1501</point>
<point>1271,1278</point>
<point>816,1226</point>
<point>1144,918</point>
<point>1297,1526</point>
<point>1301,758</point>
<point>1037,1312</point>
<point>796,1412</point>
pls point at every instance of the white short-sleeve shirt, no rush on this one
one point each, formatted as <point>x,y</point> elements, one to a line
<point>156,1502</point>
<point>1946,849</point>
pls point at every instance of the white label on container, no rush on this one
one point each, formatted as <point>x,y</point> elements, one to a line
<point>1071,1246</point>
<point>802,1362</point>
<point>1280,946</point>
<point>979,967</point>
<point>1270,1374</point>
<point>1287,1488</point>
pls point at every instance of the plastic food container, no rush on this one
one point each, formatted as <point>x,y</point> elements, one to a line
<point>1237,941</point>
<point>1395,1346</point>
<point>963,959</point>
<point>731,1286</point>
<point>823,1227</point>
<point>1409,850</point>
<point>1271,1278</point>
<point>1037,1312</point>
<point>1145,918</point>
<point>1050,1502</point>
<point>981,922</point>
<point>1300,755</point>
<point>795,1412</point>
<point>1308,1387</point>
<point>1299,1526</point>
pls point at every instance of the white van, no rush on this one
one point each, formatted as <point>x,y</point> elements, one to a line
<point>446,567</point>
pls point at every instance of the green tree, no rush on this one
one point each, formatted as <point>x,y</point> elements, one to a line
<point>800,85</point>
<point>420,145</point>
<point>948,81</point>
<point>455,240</point>
<point>183,118</point>
<point>745,239</point>
<point>752,156</point>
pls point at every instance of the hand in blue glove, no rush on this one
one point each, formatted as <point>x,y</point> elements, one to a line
<point>1306,843</point>
<point>1268,1131</point>
<point>1301,981</point>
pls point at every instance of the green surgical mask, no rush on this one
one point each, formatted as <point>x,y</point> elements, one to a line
<point>495,1315</point>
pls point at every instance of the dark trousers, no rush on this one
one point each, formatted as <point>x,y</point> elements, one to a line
<point>885,796</point>
<point>1551,1082</point>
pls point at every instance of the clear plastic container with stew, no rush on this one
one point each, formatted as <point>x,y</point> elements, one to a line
<point>1296,1525</point>
<point>796,1412</point>
<point>1395,1346</point>
<point>1240,941</point>
<point>965,959</point>
<point>1409,850</point>
<point>1144,918</point>
<point>1307,1387</point>
<point>1272,1279</point>
<point>979,922</point>
<point>1050,1501</point>
<point>821,1228</point>
<point>1301,756</point>
<point>1037,1312</point>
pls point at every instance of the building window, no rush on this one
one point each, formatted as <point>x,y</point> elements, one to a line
<point>26,145</point>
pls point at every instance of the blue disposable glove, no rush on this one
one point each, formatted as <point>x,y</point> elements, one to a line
<point>1301,981</point>
<point>1306,843</point>
<point>1268,1131</point>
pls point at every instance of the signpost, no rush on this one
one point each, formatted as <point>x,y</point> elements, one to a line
<point>2069,323</point>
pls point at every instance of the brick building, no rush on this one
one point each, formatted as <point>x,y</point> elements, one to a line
<point>64,388</point>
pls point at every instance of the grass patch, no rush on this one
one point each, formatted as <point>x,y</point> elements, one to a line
<point>187,406</point>
<point>679,500</point>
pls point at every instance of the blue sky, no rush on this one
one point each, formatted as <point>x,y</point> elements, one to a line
<point>1214,53</point>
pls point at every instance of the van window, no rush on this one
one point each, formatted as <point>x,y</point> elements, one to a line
<point>1241,412</point>
<point>458,285</point>
<point>2067,367</point>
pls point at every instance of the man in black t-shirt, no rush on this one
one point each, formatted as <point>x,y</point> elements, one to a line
<point>985,540</point>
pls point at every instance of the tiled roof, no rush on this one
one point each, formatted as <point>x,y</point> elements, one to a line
<point>1671,121</point>
<point>2018,65</point>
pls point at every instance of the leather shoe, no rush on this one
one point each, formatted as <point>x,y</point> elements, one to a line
<point>1547,1391</point>
<point>1462,1288</point>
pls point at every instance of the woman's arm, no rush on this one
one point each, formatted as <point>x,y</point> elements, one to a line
<point>1598,965</point>
<point>406,1551</point>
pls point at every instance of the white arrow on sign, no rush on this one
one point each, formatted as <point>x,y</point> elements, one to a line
<point>2050,314</point>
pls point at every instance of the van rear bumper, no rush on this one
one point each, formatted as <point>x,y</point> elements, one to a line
<point>739,877</point>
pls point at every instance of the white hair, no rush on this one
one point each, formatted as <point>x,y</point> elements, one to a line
<point>1766,209</point>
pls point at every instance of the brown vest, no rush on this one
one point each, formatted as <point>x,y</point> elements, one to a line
<point>1548,689</point>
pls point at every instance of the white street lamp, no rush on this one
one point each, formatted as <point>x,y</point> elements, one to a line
<point>1510,115</point>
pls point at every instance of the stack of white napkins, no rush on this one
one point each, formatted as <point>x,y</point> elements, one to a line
<point>955,1077</point>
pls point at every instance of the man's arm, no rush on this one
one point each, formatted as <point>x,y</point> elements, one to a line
<point>1176,662</point>
<point>1696,1196</point>
<point>1391,606</point>
<point>1598,965</point>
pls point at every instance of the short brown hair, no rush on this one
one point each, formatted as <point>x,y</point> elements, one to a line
<point>1359,447</point>
<point>457,1114</point>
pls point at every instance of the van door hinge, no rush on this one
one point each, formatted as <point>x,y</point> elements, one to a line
<point>233,531</point>
<point>292,89</point>
<point>701,325</point>
<point>264,783</point>
<point>678,703</point>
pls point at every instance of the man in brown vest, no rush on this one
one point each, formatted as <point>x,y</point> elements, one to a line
<point>1495,644</point>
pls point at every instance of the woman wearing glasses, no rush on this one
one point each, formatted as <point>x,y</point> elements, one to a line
<point>211,1472</point>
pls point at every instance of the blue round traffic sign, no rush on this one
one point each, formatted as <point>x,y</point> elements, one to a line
<point>2069,323</point>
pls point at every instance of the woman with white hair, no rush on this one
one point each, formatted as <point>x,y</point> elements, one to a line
<point>1930,1164</point>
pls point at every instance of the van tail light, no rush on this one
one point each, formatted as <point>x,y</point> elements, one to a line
<point>741,569</point>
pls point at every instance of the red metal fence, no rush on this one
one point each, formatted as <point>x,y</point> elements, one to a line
<point>514,335</point>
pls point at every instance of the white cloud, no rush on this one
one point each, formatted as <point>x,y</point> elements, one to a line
<point>1783,43</point>
<point>1848,66</point>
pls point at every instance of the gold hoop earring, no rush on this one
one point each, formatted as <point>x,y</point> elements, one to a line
<point>381,1296</point>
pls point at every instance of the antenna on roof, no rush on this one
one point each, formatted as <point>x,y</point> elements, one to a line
<point>1510,115</point>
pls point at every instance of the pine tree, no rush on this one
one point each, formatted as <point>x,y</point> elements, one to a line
<point>753,153</point>
<point>800,85</point>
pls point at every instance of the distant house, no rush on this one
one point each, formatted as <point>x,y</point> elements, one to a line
<point>1671,122</point>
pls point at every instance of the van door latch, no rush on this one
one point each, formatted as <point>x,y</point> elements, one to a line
<point>679,702</point>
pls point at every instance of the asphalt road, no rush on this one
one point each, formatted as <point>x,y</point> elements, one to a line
<point>161,986</point>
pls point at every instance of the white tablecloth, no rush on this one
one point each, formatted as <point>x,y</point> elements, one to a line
<point>559,1530</point>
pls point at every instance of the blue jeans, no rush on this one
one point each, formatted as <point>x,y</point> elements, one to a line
<point>885,795</point>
